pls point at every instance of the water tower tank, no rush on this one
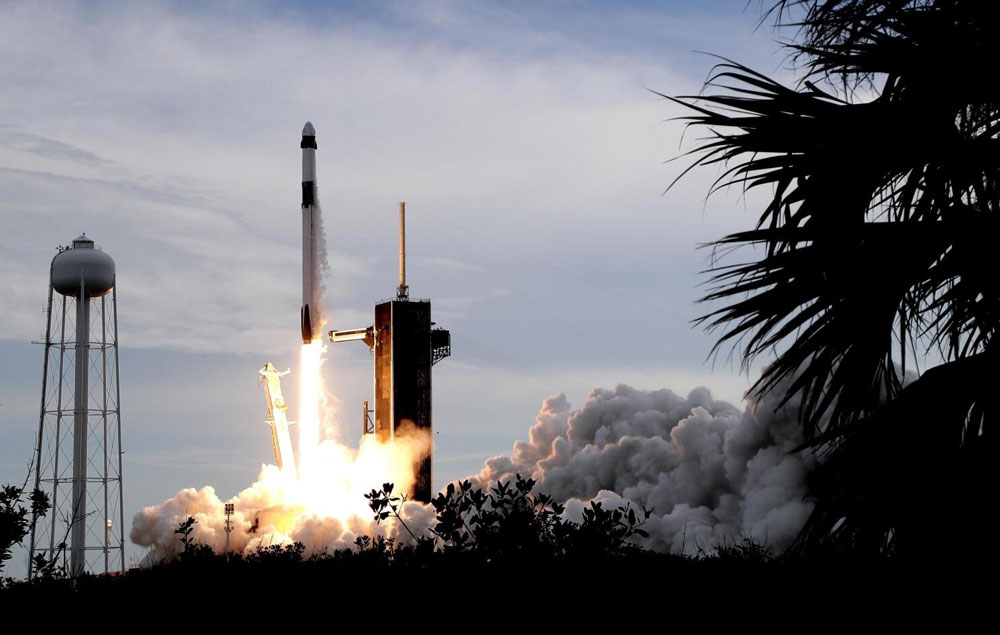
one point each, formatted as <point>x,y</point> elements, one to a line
<point>82,262</point>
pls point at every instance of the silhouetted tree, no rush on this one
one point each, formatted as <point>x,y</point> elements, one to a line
<point>876,255</point>
<point>14,519</point>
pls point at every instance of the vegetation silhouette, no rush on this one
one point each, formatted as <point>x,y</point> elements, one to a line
<point>511,522</point>
<point>502,552</point>
<point>15,523</point>
<point>876,279</point>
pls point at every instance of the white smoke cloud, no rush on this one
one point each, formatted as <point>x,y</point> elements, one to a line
<point>279,510</point>
<point>712,474</point>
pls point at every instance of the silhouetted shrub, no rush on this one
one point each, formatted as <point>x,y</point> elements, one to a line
<point>14,519</point>
<point>509,521</point>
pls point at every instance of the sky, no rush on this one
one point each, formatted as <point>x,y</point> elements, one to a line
<point>526,138</point>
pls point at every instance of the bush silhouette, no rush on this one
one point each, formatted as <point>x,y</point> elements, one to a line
<point>14,520</point>
<point>509,521</point>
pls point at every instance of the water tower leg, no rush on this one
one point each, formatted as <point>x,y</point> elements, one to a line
<point>80,424</point>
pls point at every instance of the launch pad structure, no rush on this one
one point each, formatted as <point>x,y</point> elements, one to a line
<point>405,345</point>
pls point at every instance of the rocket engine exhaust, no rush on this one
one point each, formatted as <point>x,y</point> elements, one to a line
<point>311,240</point>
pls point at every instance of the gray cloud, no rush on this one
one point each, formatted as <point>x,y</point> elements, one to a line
<point>45,147</point>
<point>192,187</point>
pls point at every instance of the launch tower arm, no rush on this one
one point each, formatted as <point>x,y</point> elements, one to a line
<point>367,335</point>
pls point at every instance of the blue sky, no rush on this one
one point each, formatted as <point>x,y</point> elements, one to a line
<point>523,136</point>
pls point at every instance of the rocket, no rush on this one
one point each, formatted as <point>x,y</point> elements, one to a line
<point>311,239</point>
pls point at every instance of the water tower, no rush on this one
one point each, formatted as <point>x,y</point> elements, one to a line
<point>78,456</point>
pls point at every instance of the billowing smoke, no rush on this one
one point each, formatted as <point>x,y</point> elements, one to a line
<point>325,515</point>
<point>712,474</point>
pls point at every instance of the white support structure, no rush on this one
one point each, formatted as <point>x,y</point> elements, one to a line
<point>277,418</point>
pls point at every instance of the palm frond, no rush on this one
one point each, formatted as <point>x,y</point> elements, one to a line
<point>880,226</point>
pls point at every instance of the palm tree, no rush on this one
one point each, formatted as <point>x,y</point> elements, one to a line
<point>878,254</point>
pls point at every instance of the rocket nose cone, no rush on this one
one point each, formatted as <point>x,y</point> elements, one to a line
<point>308,130</point>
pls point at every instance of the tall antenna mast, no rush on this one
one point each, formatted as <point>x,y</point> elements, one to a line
<point>402,291</point>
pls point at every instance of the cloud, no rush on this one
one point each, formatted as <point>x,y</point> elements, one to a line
<point>45,147</point>
<point>171,139</point>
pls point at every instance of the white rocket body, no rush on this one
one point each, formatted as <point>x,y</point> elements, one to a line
<point>311,240</point>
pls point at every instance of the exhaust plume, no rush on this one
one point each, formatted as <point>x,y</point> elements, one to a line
<point>712,474</point>
<point>324,514</point>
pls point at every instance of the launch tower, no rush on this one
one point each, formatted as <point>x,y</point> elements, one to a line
<point>405,345</point>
